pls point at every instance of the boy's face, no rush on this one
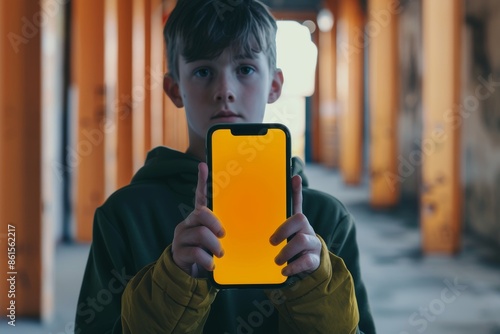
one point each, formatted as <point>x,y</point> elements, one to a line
<point>228,89</point>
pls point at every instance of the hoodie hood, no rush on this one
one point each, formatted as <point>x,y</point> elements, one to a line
<point>177,169</point>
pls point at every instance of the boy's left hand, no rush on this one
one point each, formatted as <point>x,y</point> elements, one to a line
<point>303,242</point>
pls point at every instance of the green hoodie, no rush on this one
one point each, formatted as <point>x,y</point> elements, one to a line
<point>132,285</point>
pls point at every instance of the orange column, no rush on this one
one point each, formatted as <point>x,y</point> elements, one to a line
<point>124,113</point>
<point>23,280</point>
<point>111,81</point>
<point>90,98</point>
<point>147,77</point>
<point>327,61</point>
<point>138,83</point>
<point>441,198</point>
<point>350,49</point>
<point>382,30</point>
<point>156,72</point>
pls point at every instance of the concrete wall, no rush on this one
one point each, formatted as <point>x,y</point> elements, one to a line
<point>410,117</point>
<point>481,119</point>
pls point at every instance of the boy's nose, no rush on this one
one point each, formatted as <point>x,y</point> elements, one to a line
<point>223,91</point>
<point>225,96</point>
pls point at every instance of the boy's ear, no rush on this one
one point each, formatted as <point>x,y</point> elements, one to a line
<point>171,88</point>
<point>276,86</point>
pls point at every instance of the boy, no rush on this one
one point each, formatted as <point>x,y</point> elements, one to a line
<point>222,59</point>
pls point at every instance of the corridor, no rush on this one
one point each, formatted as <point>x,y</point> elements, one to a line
<point>394,105</point>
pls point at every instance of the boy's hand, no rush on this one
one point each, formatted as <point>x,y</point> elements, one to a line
<point>197,236</point>
<point>303,244</point>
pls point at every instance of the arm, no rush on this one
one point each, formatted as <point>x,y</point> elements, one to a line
<point>337,227</point>
<point>162,298</point>
<point>322,302</point>
<point>163,288</point>
<point>173,295</point>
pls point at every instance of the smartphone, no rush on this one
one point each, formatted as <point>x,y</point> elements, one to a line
<point>249,191</point>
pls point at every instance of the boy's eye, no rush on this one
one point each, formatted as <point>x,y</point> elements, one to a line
<point>246,70</point>
<point>202,72</point>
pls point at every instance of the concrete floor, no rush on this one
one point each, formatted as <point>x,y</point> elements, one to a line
<point>409,293</point>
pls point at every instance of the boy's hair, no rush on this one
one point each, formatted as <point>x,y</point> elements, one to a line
<point>203,29</point>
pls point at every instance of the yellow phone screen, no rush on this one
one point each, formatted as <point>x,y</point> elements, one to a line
<point>249,194</point>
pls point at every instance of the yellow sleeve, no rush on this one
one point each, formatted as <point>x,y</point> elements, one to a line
<point>162,298</point>
<point>322,302</point>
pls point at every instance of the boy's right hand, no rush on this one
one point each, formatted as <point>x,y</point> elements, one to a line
<point>197,237</point>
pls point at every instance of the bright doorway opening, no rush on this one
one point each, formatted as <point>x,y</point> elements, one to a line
<point>297,56</point>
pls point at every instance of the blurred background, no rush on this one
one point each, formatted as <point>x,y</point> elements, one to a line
<point>394,105</point>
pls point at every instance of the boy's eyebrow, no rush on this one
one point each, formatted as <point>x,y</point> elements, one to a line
<point>236,57</point>
<point>245,56</point>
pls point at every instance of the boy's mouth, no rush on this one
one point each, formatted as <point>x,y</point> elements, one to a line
<point>225,114</point>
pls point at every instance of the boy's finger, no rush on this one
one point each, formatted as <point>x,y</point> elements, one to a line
<point>300,244</point>
<point>201,187</point>
<point>202,237</point>
<point>297,194</point>
<point>199,256</point>
<point>205,217</point>
<point>307,263</point>
<point>298,222</point>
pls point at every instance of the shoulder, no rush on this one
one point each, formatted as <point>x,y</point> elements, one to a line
<point>143,216</point>
<point>145,201</point>
<point>133,194</point>
<point>316,202</point>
